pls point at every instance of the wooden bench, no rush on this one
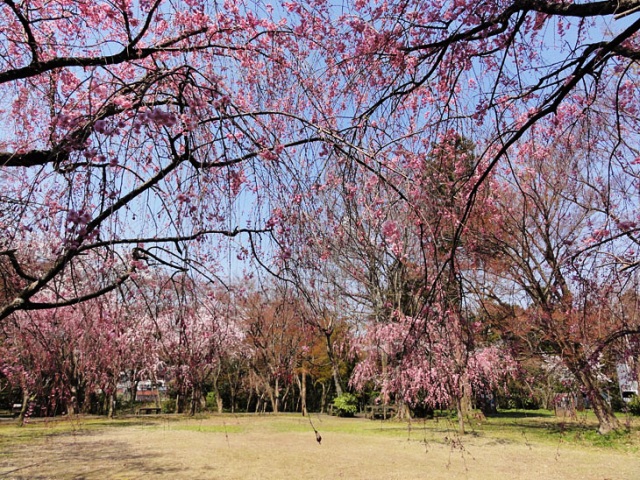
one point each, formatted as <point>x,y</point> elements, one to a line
<point>380,411</point>
<point>149,410</point>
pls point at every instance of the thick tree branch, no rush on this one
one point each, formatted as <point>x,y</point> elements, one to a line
<point>32,158</point>
<point>581,10</point>
<point>127,54</point>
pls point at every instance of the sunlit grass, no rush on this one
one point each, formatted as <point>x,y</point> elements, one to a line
<point>514,426</point>
<point>542,426</point>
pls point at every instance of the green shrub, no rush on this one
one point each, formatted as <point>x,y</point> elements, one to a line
<point>345,405</point>
<point>123,405</point>
<point>211,402</point>
<point>634,405</point>
<point>169,405</point>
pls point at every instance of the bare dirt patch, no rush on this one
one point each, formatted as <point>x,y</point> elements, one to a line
<point>284,446</point>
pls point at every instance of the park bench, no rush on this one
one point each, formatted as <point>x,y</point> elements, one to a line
<point>149,410</point>
<point>16,408</point>
<point>380,411</point>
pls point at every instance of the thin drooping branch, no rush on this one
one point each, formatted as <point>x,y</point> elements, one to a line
<point>11,255</point>
<point>26,25</point>
<point>79,299</point>
<point>553,102</point>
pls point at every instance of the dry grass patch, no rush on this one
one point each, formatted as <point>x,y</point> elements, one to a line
<point>284,446</point>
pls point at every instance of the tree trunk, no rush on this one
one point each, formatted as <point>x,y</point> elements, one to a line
<point>250,397</point>
<point>273,398</point>
<point>110,408</point>
<point>216,391</point>
<point>335,368</point>
<point>323,398</point>
<point>72,407</point>
<point>303,392</point>
<point>404,412</point>
<point>284,399</point>
<point>86,407</point>
<point>260,401</point>
<point>232,394</point>
<point>196,400</point>
<point>607,421</point>
<point>25,405</point>
<point>134,393</point>
<point>463,403</point>
<point>219,402</point>
<point>461,414</point>
<point>192,403</point>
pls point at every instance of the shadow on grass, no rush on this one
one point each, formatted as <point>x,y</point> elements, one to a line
<point>522,414</point>
<point>68,458</point>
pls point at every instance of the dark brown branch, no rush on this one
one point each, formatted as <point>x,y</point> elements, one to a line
<point>21,300</point>
<point>31,41</point>
<point>226,163</point>
<point>127,54</point>
<point>626,52</point>
<point>581,10</point>
<point>173,239</point>
<point>32,158</point>
<point>147,23</point>
<point>498,24</point>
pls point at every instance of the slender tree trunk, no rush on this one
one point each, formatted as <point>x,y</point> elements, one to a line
<point>463,403</point>
<point>260,401</point>
<point>273,398</point>
<point>26,398</point>
<point>134,393</point>
<point>284,399</point>
<point>86,406</point>
<point>156,387</point>
<point>460,413</point>
<point>72,407</point>
<point>335,368</point>
<point>232,393</point>
<point>303,392</point>
<point>110,408</point>
<point>192,403</point>
<point>384,369</point>
<point>196,396</point>
<point>219,402</point>
<point>216,391</point>
<point>249,400</point>
<point>323,398</point>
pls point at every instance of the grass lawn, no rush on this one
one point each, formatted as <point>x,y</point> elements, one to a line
<point>512,445</point>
